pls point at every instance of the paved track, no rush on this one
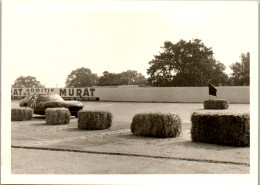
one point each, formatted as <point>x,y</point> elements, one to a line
<point>46,144</point>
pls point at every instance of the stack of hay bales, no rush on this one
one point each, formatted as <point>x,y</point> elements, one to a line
<point>94,120</point>
<point>156,125</point>
<point>216,104</point>
<point>57,116</point>
<point>21,114</point>
<point>221,128</point>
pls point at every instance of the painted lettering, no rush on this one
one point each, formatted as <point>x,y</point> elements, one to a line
<point>62,92</point>
<point>15,92</point>
<point>79,91</point>
<point>71,92</point>
<point>20,91</point>
<point>92,90</point>
<point>86,92</point>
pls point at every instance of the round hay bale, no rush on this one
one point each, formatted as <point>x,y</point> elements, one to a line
<point>156,125</point>
<point>221,128</point>
<point>21,114</point>
<point>216,104</point>
<point>94,120</point>
<point>57,116</point>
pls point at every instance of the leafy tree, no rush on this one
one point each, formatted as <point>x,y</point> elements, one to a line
<point>129,77</point>
<point>28,82</point>
<point>186,64</point>
<point>108,79</point>
<point>81,77</point>
<point>241,75</point>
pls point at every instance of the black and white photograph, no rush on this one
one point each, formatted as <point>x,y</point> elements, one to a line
<point>129,92</point>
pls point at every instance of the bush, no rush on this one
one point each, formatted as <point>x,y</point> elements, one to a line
<point>57,116</point>
<point>215,104</point>
<point>156,125</point>
<point>222,128</point>
<point>94,120</point>
<point>21,114</point>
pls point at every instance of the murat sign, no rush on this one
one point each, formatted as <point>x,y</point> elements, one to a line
<point>66,93</point>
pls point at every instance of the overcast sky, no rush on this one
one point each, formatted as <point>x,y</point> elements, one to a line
<point>48,39</point>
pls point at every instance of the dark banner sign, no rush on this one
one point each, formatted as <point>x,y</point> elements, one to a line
<point>84,94</point>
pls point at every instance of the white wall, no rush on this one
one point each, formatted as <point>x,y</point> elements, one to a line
<point>234,94</point>
<point>172,94</point>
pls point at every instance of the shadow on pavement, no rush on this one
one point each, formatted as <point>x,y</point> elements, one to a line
<point>75,129</point>
<point>49,125</point>
<point>37,117</point>
<point>145,138</point>
<point>41,117</point>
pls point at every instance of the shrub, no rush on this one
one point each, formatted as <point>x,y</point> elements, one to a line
<point>221,128</point>
<point>94,120</point>
<point>57,116</point>
<point>21,114</point>
<point>215,104</point>
<point>156,125</point>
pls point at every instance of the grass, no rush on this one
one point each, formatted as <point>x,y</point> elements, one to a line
<point>94,120</point>
<point>221,128</point>
<point>57,116</point>
<point>161,125</point>
<point>21,114</point>
<point>216,104</point>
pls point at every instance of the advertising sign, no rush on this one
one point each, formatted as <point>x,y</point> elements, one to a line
<point>85,94</point>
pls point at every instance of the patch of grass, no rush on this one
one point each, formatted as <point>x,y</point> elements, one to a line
<point>94,120</point>
<point>21,114</point>
<point>57,116</point>
<point>221,128</point>
<point>156,125</point>
<point>216,104</point>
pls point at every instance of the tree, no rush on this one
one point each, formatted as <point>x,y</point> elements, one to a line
<point>129,77</point>
<point>186,64</point>
<point>241,75</point>
<point>81,77</point>
<point>108,79</point>
<point>27,82</point>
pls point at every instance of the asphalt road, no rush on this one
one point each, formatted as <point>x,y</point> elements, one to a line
<point>38,148</point>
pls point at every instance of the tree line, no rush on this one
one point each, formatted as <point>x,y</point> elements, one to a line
<point>185,63</point>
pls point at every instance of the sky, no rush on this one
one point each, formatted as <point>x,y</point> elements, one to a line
<point>48,39</point>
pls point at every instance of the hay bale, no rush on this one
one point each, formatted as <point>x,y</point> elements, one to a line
<point>21,114</point>
<point>216,104</point>
<point>156,125</point>
<point>57,116</point>
<point>94,120</point>
<point>221,128</point>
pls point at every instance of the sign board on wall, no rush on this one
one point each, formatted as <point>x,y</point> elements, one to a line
<point>85,94</point>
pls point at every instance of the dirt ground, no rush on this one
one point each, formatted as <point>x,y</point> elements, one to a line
<point>38,148</point>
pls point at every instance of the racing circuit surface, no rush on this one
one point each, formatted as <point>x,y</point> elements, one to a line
<point>38,148</point>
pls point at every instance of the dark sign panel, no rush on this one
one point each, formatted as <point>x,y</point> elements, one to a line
<point>84,94</point>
